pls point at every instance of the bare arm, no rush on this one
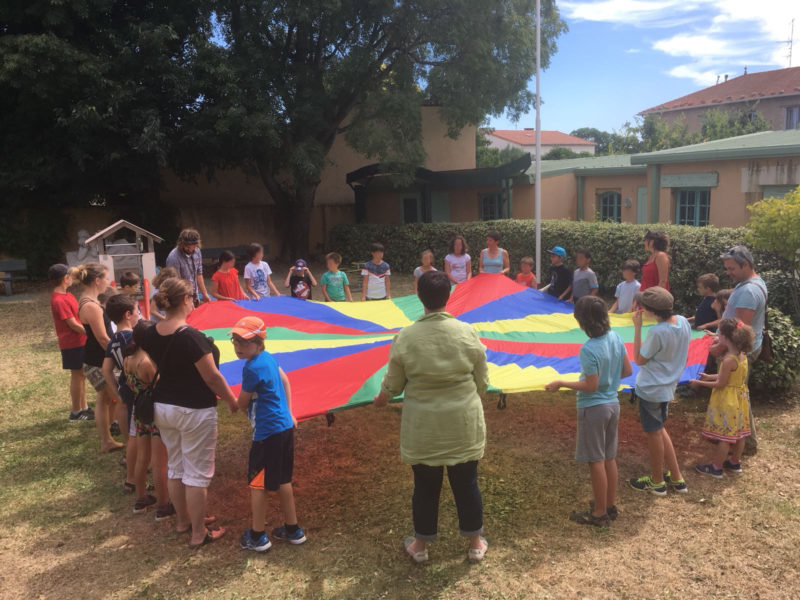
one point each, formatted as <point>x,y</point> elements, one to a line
<point>272,286</point>
<point>287,388</point>
<point>388,288</point>
<point>325,293</point>
<point>108,375</point>
<point>243,401</point>
<point>590,384</point>
<point>364,283</point>
<point>215,291</point>
<point>480,263</point>
<point>637,339</point>
<point>447,271</point>
<point>347,293</point>
<point>215,381</point>
<point>745,315</point>
<point>506,263</point>
<point>662,264</point>
<point>251,290</point>
<point>707,326</point>
<point>73,324</point>
<point>614,307</point>
<point>594,292</point>
<point>728,366</point>
<point>567,293</point>
<point>311,277</point>
<point>94,318</point>
<point>416,285</point>
<point>201,286</point>
<point>468,268</point>
<point>627,368</point>
<point>288,277</point>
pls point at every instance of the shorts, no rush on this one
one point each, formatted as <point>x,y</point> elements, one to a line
<point>144,429</point>
<point>653,415</point>
<point>271,461</point>
<point>95,377</point>
<point>597,432</point>
<point>72,358</point>
<point>190,437</point>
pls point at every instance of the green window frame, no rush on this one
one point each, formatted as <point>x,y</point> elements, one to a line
<point>610,206</point>
<point>692,207</point>
<point>490,207</point>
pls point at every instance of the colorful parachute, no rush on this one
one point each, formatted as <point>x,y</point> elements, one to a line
<point>335,354</point>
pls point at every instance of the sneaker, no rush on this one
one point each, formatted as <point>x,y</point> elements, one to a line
<point>709,470</point>
<point>114,429</point>
<point>78,416</point>
<point>587,518</point>
<point>247,542</point>
<point>611,511</point>
<point>282,534</point>
<point>677,485</point>
<point>89,414</point>
<point>142,504</point>
<point>733,468</point>
<point>164,511</point>
<point>645,484</point>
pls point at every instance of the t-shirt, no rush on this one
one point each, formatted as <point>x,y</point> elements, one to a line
<point>526,280</point>
<point>179,381</point>
<point>334,284</point>
<point>602,356</point>
<point>257,274</point>
<point>418,272</point>
<point>300,286</point>
<point>228,284</point>
<point>626,294</point>
<point>114,350</point>
<point>188,267</point>
<point>376,279</point>
<point>458,266</point>
<point>64,306</point>
<point>583,282</point>
<point>704,313</point>
<point>666,348</point>
<point>560,280</point>
<point>750,295</point>
<point>268,411</point>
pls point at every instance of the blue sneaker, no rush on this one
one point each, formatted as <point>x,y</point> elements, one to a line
<point>733,468</point>
<point>262,544</point>
<point>709,470</point>
<point>283,535</point>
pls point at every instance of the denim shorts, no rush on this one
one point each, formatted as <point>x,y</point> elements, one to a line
<point>653,415</point>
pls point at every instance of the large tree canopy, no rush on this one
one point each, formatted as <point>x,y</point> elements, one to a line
<point>284,78</point>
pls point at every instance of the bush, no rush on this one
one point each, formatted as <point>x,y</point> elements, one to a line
<point>694,250</point>
<point>779,375</point>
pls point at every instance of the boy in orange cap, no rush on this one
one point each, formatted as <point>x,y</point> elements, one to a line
<point>267,398</point>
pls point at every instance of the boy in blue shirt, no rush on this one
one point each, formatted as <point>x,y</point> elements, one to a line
<point>266,396</point>
<point>604,361</point>
<point>663,359</point>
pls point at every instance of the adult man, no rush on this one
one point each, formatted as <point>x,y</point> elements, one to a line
<point>748,303</point>
<point>186,258</point>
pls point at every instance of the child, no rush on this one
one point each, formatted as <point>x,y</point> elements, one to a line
<point>457,263</point>
<point>707,287</point>
<point>257,274</point>
<point>335,285</point>
<point>225,280</point>
<point>719,305</point>
<point>604,361</point>
<point>728,414</point>
<point>584,281</point>
<point>138,372</point>
<point>71,340</point>
<point>267,397</point>
<point>300,280</point>
<point>156,314</point>
<point>122,310</point>
<point>426,265</point>
<point>627,288</point>
<point>663,359</point>
<point>129,283</point>
<point>560,276</point>
<point>527,277</point>
<point>376,273</point>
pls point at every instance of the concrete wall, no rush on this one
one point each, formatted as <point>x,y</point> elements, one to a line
<point>773,110</point>
<point>500,143</point>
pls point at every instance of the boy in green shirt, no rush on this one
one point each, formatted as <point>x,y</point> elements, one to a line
<point>335,285</point>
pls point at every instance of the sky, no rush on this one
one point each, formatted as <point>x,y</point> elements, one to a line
<point>623,56</point>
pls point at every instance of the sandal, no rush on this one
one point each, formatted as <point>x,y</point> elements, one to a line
<point>587,518</point>
<point>419,557</point>
<point>128,488</point>
<point>476,554</point>
<point>212,535</point>
<point>207,521</point>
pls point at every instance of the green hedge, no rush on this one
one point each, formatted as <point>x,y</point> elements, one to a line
<point>779,375</point>
<point>694,250</point>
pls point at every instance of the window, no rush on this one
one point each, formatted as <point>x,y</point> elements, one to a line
<point>610,206</point>
<point>490,207</point>
<point>410,210</point>
<point>693,207</point>
<point>792,117</point>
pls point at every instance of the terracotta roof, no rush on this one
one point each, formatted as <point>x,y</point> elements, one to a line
<point>527,137</point>
<point>745,88</point>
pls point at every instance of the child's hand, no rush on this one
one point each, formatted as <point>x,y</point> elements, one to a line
<point>636,317</point>
<point>233,407</point>
<point>553,386</point>
<point>294,422</point>
<point>380,400</point>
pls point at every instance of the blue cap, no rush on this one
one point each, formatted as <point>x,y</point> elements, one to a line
<point>558,251</point>
<point>300,264</point>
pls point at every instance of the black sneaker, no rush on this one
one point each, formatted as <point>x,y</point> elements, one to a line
<point>89,411</point>
<point>733,468</point>
<point>645,484</point>
<point>142,504</point>
<point>611,511</point>
<point>587,518</point>
<point>709,470</point>
<point>78,416</point>
<point>164,511</point>
<point>677,485</point>
<point>114,429</point>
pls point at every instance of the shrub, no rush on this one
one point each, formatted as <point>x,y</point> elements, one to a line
<point>779,375</point>
<point>694,250</point>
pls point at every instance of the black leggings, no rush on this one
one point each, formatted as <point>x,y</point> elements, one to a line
<point>427,489</point>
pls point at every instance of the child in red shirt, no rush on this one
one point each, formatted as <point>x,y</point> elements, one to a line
<point>71,340</point>
<point>527,277</point>
<point>225,281</point>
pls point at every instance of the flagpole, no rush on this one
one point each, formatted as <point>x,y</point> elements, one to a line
<point>538,169</point>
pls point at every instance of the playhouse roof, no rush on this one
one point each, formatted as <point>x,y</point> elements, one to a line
<point>122,224</point>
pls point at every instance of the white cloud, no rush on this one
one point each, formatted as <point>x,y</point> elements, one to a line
<point>632,51</point>
<point>715,37</point>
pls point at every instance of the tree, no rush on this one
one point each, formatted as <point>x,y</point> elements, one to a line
<point>290,76</point>
<point>602,139</point>
<point>493,157</point>
<point>719,124</point>
<point>559,153</point>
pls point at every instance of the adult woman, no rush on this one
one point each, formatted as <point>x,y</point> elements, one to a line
<point>185,398</point>
<point>187,259</point>
<point>457,263</point>
<point>441,365</point>
<point>655,271</point>
<point>94,278</point>
<point>494,259</point>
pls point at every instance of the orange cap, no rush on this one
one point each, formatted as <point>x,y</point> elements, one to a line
<point>250,327</point>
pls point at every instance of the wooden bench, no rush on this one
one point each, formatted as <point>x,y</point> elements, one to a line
<point>8,272</point>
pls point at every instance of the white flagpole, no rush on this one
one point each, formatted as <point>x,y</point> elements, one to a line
<point>538,169</point>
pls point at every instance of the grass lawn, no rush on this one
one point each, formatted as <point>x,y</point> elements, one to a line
<point>69,531</point>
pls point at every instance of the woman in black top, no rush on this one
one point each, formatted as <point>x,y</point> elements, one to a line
<point>185,398</point>
<point>94,278</point>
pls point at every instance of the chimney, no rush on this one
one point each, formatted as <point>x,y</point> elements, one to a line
<point>745,70</point>
<point>726,77</point>
<point>717,79</point>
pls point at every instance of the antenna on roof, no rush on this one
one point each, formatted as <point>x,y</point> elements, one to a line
<point>717,80</point>
<point>791,41</point>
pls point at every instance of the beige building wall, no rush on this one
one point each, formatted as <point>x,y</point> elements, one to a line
<point>773,109</point>
<point>626,185</point>
<point>559,198</point>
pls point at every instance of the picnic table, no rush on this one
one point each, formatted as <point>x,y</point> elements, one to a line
<point>9,271</point>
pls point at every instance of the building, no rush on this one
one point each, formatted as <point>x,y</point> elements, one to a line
<point>525,139</point>
<point>775,94</point>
